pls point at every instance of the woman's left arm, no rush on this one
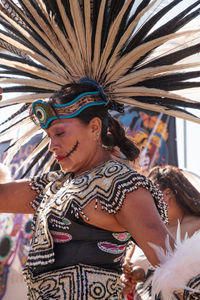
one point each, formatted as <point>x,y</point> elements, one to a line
<point>140,217</point>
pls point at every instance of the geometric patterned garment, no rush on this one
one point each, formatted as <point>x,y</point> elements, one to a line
<point>194,284</point>
<point>60,202</point>
<point>79,282</point>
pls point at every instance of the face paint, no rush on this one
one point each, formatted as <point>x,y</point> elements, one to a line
<point>73,149</point>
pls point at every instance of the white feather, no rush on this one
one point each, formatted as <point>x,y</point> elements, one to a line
<point>177,266</point>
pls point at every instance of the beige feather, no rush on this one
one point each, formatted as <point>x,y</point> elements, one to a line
<point>25,99</point>
<point>48,165</point>
<point>51,63</point>
<point>97,43</point>
<point>110,40</point>
<point>143,91</point>
<point>35,71</point>
<point>88,35</point>
<point>128,60</point>
<point>49,37</point>
<point>24,122</point>
<point>68,55</point>
<point>59,44</point>
<point>19,143</point>
<point>71,37</point>
<point>43,143</point>
<point>79,27</point>
<point>31,82</point>
<point>141,75</point>
<point>126,35</point>
<point>157,108</point>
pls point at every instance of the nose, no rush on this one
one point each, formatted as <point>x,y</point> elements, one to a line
<point>53,145</point>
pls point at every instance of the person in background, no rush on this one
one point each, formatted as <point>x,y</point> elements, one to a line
<point>182,196</point>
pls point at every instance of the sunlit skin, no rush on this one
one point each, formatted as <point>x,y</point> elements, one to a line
<point>74,144</point>
<point>189,222</point>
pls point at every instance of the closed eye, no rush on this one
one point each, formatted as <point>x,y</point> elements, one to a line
<point>59,133</point>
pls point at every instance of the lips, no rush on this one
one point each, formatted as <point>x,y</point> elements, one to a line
<point>59,158</point>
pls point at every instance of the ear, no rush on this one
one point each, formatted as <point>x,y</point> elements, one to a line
<point>95,126</point>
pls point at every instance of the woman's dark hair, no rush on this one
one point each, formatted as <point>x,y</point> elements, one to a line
<point>187,196</point>
<point>112,133</point>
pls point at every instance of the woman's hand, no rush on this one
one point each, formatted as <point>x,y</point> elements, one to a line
<point>128,285</point>
<point>131,274</point>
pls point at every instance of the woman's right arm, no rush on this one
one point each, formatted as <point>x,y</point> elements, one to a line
<point>16,196</point>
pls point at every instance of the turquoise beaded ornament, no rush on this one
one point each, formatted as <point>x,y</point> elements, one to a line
<point>46,113</point>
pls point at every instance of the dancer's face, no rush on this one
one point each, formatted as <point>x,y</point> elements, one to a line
<point>73,143</point>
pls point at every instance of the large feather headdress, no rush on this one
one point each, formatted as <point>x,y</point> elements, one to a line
<point>138,51</point>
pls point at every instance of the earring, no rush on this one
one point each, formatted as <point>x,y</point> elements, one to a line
<point>97,137</point>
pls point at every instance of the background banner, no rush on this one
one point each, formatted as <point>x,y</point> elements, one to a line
<point>155,135</point>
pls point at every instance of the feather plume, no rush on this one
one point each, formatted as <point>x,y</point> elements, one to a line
<point>111,37</point>
<point>19,143</point>
<point>79,26</point>
<point>88,35</point>
<point>169,277</point>
<point>135,53</point>
<point>97,43</point>
<point>42,145</point>
<point>124,39</point>
<point>71,36</point>
<point>122,66</point>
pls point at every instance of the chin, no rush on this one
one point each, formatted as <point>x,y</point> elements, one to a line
<point>66,167</point>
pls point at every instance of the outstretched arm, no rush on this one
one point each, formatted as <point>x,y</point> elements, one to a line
<point>15,197</point>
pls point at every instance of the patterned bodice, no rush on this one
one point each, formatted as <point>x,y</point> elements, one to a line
<point>61,237</point>
<point>76,241</point>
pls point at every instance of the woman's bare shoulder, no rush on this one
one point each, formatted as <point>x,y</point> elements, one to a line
<point>191,224</point>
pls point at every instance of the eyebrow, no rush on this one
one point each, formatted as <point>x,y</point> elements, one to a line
<point>54,127</point>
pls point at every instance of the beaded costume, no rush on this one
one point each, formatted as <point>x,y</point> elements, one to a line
<point>60,232</point>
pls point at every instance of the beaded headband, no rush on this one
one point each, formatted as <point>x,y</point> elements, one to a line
<point>46,113</point>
